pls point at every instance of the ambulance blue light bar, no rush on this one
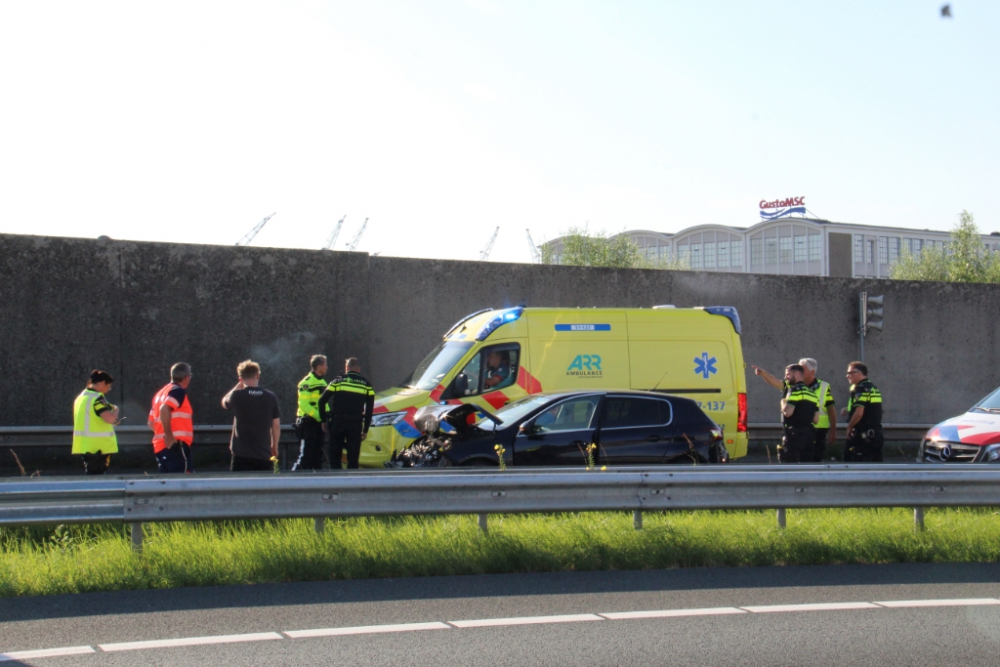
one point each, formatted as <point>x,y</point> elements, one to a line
<point>503,317</point>
<point>726,311</point>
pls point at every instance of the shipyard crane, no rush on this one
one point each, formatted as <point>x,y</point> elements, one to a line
<point>484,254</point>
<point>253,232</point>
<point>334,234</point>
<point>357,237</point>
<point>536,255</point>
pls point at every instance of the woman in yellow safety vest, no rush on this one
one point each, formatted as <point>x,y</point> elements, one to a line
<point>94,420</point>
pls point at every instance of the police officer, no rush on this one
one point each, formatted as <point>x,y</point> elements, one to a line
<point>799,413</point>
<point>864,429</point>
<point>345,408</point>
<point>826,427</point>
<point>308,425</point>
<point>94,420</point>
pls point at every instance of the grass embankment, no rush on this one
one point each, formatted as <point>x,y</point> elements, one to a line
<point>72,559</point>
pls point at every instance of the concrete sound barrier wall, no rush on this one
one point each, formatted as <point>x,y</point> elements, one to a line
<point>70,305</point>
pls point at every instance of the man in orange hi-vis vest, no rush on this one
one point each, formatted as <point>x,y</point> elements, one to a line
<point>172,423</point>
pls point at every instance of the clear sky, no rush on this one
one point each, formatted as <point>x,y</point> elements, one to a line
<point>441,120</point>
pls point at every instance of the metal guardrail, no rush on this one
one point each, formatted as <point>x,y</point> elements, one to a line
<point>137,500</point>
<point>218,434</point>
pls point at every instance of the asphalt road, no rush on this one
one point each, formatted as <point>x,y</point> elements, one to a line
<point>457,612</point>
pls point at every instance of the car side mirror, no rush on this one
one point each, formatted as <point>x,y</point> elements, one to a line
<point>527,428</point>
<point>461,385</point>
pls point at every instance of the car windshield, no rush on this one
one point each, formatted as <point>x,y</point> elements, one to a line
<point>429,372</point>
<point>516,410</point>
<point>989,404</point>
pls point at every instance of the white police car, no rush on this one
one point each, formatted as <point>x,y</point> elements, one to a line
<point>970,438</point>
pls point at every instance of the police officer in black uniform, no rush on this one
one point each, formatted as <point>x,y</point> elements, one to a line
<point>864,429</point>
<point>799,413</point>
<point>345,408</point>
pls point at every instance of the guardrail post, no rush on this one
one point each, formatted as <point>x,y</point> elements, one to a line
<point>319,523</point>
<point>482,523</point>
<point>637,519</point>
<point>918,519</point>
<point>136,537</point>
<point>781,518</point>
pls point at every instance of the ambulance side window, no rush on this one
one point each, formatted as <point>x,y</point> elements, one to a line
<point>494,368</point>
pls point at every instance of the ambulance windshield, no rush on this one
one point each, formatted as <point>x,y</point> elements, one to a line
<point>429,372</point>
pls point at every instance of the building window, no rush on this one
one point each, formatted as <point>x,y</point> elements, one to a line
<point>756,252</point>
<point>883,250</point>
<point>664,253</point>
<point>800,248</point>
<point>695,255</point>
<point>724,254</point>
<point>736,252</point>
<point>682,253</point>
<point>770,251</point>
<point>815,248</point>
<point>870,252</point>
<point>859,249</point>
<point>907,245</point>
<point>918,246</point>
<point>709,255</point>
<point>893,249</point>
<point>785,250</point>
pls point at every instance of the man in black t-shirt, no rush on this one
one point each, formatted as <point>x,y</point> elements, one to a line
<point>256,421</point>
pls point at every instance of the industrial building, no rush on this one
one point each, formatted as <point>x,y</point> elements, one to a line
<point>788,246</point>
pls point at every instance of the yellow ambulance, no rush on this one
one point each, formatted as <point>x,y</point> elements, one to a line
<point>493,357</point>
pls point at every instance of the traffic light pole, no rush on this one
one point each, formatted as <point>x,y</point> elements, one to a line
<point>863,327</point>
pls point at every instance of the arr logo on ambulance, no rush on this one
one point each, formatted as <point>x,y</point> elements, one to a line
<point>586,365</point>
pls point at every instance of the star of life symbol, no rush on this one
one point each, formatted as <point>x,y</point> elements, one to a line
<point>705,365</point>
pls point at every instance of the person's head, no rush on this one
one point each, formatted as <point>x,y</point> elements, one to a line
<point>318,364</point>
<point>856,372</point>
<point>100,381</point>
<point>494,359</point>
<point>249,372</point>
<point>352,365</point>
<point>180,373</point>
<point>809,367</point>
<point>794,373</point>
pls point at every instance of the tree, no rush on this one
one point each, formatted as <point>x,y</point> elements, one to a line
<point>965,260</point>
<point>581,248</point>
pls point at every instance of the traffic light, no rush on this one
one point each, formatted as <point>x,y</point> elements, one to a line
<point>872,309</point>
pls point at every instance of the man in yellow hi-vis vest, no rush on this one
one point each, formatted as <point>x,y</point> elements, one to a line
<point>826,427</point>
<point>94,420</point>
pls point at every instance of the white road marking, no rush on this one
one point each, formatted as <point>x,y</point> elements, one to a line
<point>671,613</point>
<point>45,653</point>
<point>961,602</point>
<point>822,606</point>
<point>492,622</point>
<point>190,641</point>
<point>525,620</point>
<point>365,630</point>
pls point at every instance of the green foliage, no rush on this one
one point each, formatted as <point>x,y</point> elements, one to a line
<point>582,248</point>
<point>76,559</point>
<point>965,260</point>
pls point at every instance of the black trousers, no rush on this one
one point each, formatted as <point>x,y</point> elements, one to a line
<point>345,436</point>
<point>96,464</point>
<point>798,445</point>
<point>820,444</point>
<point>311,438</point>
<point>247,464</point>
<point>864,446</point>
